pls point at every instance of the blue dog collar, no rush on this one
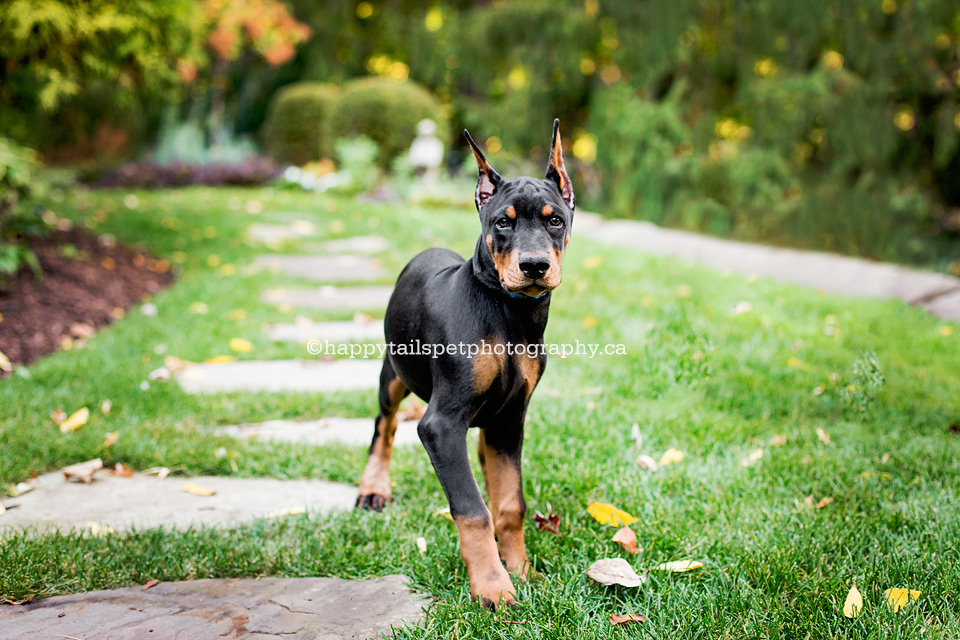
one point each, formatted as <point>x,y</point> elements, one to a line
<point>521,296</point>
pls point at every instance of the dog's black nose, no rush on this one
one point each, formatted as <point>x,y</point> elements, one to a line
<point>534,265</point>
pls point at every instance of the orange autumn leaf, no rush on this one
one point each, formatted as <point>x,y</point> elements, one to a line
<point>627,539</point>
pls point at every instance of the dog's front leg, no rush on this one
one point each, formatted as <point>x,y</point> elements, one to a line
<point>500,450</point>
<point>444,434</point>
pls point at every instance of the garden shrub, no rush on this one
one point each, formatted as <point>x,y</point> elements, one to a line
<point>387,112</point>
<point>20,213</point>
<point>297,128</point>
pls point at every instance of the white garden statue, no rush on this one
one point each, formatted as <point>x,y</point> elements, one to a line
<point>426,151</point>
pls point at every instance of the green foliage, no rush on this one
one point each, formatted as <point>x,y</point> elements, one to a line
<point>358,157</point>
<point>868,380</point>
<point>387,112</point>
<point>297,129</point>
<point>184,142</point>
<point>20,215</point>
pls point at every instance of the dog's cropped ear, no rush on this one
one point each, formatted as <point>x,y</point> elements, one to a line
<point>556,171</point>
<point>489,180</point>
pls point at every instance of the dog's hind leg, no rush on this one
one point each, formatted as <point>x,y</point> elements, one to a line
<point>375,484</point>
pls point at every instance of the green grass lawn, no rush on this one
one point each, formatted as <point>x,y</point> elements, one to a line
<point>698,377</point>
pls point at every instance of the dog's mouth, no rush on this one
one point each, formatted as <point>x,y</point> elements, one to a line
<point>533,289</point>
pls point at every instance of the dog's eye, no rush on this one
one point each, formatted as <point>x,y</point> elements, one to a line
<point>556,221</point>
<point>502,223</point>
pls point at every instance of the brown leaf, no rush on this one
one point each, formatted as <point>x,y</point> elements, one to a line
<point>18,602</point>
<point>83,471</point>
<point>549,523</point>
<point>121,471</point>
<point>626,618</point>
<point>414,412</point>
<point>611,571</point>
<point>82,330</point>
<point>58,415</point>
<point>110,438</point>
<point>824,502</point>
<point>627,539</point>
<point>150,583</point>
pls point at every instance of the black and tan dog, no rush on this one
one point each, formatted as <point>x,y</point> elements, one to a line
<point>493,307</point>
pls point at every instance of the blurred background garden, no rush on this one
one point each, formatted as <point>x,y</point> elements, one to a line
<point>826,124</point>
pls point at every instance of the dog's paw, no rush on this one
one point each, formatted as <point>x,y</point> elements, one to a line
<point>495,591</point>
<point>372,501</point>
<point>504,600</point>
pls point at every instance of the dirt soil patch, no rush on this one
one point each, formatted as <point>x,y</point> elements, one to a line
<point>87,281</point>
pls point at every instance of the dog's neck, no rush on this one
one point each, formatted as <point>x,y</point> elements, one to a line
<point>482,270</point>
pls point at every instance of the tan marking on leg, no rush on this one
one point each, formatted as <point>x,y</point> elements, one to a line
<point>376,475</point>
<point>505,491</point>
<point>489,581</point>
<point>511,212</point>
<point>530,370</point>
<point>487,365</point>
<point>547,210</point>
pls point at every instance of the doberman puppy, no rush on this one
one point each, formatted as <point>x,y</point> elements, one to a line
<point>487,315</point>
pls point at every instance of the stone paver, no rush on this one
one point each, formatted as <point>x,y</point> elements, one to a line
<point>277,233</point>
<point>330,331</point>
<point>356,244</point>
<point>280,375</point>
<point>827,272</point>
<point>945,306</point>
<point>332,268</point>
<point>331,298</point>
<point>147,501</point>
<point>351,431</point>
<point>247,609</point>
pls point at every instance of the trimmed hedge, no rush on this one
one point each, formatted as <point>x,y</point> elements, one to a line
<point>386,112</point>
<point>297,129</point>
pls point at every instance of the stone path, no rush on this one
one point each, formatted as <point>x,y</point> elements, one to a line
<point>147,501</point>
<point>301,332</point>
<point>328,268</point>
<point>248,609</point>
<point>281,375</point>
<point>276,233</point>
<point>356,244</point>
<point>351,431</point>
<point>937,293</point>
<point>331,298</point>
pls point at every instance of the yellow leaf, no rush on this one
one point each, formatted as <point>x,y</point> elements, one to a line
<point>76,420</point>
<point>946,330</point>
<point>444,513</point>
<point>684,291</point>
<point>98,530</point>
<point>5,364</point>
<point>679,566</point>
<point>237,314</point>
<point>240,345</point>
<point>219,360</point>
<point>288,511</point>
<point>853,605</point>
<point>824,436</point>
<point>753,458</point>
<point>589,322</point>
<point>593,262</point>
<point>199,308</point>
<point>197,490</point>
<point>898,598</point>
<point>609,514</point>
<point>671,456</point>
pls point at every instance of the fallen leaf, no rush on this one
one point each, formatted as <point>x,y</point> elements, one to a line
<point>58,416</point>
<point>288,511</point>
<point>549,523</point>
<point>76,420</point>
<point>609,514</point>
<point>105,407</point>
<point>824,502</point>
<point>610,571</point>
<point>626,618</point>
<point>853,605</point>
<point>753,458</point>
<point>444,513</point>
<point>240,345</point>
<point>671,456</point>
<point>197,490</point>
<point>121,471</point>
<point>646,462</point>
<point>422,545</point>
<point>946,330</point>
<point>5,364</point>
<point>237,314</point>
<point>778,441</point>
<point>808,501</point>
<point>899,598</point>
<point>19,602</point>
<point>219,360</point>
<point>162,374</point>
<point>679,566</point>
<point>150,583</point>
<point>824,436</point>
<point>414,412</point>
<point>98,530</point>
<point>636,436</point>
<point>589,322</point>
<point>199,308</point>
<point>83,471</point>
<point>110,438</point>
<point>25,487</point>
<point>82,330</point>
<point>160,472</point>
<point>627,539</point>
<point>174,363</point>
<point>885,458</point>
<point>3,509</point>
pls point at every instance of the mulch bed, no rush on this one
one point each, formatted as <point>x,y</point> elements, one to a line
<point>87,282</point>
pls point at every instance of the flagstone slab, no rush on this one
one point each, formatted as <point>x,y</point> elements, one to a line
<point>356,244</point>
<point>246,609</point>
<point>280,375</point>
<point>277,233</point>
<point>330,331</point>
<point>147,501</point>
<point>332,268</point>
<point>945,306</point>
<point>331,298</point>
<point>350,431</point>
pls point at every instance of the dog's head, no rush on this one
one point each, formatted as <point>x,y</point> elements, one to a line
<point>526,222</point>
